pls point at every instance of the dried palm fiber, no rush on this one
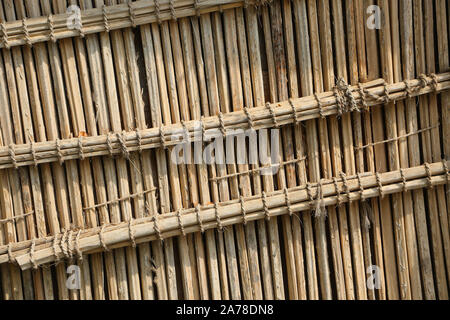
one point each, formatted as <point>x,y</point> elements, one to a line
<point>87,144</point>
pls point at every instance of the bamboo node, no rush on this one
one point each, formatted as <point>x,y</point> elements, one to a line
<point>266,207</point>
<point>244,214</point>
<point>199,218</point>
<point>131,232</point>
<point>4,31</point>
<point>428,171</point>
<point>180,222</point>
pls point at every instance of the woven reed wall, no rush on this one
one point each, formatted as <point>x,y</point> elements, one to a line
<point>87,117</point>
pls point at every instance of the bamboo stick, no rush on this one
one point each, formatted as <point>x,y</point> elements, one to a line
<point>387,183</point>
<point>250,228</point>
<point>434,118</point>
<point>353,183</point>
<point>394,164</point>
<point>413,151</point>
<point>381,166</point>
<point>289,72</point>
<point>199,175</point>
<point>275,248</point>
<point>150,138</point>
<point>258,95</point>
<point>210,72</point>
<point>436,237</point>
<point>171,113</point>
<point>354,46</point>
<point>16,55</point>
<point>202,170</point>
<point>92,20</point>
<point>367,72</point>
<point>157,247</point>
<point>38,200</point>
<point>227,188</point>
<point>78,120</point>
<point>88,94</point>
<point>134,111</point>
<point>411,241</point>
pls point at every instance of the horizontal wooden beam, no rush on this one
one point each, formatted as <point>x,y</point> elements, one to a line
<point>313,196</point>
<point>365,95</point>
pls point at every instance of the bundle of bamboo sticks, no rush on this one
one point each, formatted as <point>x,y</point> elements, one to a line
<point>86,126</point>
<point>257,118</point>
